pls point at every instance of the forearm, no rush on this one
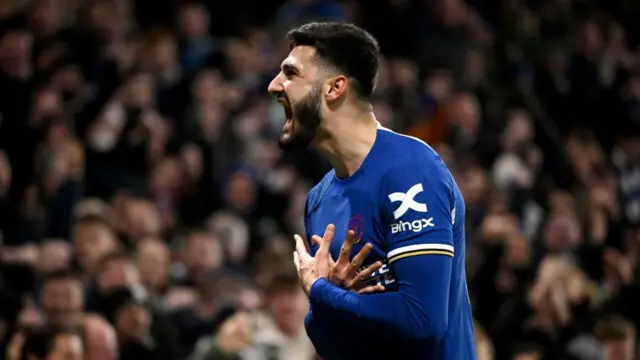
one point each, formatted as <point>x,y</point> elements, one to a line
<point>418,310</point>
<point>319,325</point>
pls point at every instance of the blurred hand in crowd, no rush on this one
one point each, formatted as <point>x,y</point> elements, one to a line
<point>235,334</point>
<point>55,255</point>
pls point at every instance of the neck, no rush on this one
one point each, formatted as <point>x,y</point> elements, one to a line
<point>346,141</point>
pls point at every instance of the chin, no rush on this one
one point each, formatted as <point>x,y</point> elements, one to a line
<point>286,144</point>
<point>289,142</point>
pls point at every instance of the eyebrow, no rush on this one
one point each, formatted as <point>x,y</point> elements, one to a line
<point>290,67</point>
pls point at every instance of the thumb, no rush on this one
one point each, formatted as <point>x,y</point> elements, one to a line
<point>301,249</point>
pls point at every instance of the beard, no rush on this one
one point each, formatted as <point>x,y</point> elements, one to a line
<point>303,130</point>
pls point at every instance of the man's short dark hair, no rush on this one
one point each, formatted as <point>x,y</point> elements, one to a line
<point>526,347</point>
<point>92,219</point>
<point>345,47</point>
<point>282,280</point>
<point>614,327</point>
<point>224,281</point>
<point>117,255</point>
<point>63,274</point>
<point>40,342</point>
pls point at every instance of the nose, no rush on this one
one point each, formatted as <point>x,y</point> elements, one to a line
<point>275,87</point>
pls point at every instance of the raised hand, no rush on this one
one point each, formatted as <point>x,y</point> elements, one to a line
<point>343,272</point>
<point>310,268</point>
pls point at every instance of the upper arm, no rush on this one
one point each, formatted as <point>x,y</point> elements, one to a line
<point>418,211</point>
<point>418,216</point>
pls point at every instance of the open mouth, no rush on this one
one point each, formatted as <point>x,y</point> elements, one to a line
<point>288,112</point>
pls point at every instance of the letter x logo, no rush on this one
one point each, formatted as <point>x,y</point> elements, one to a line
<point>407,201</point>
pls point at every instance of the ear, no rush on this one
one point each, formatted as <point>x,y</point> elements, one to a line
<point>336,87</point>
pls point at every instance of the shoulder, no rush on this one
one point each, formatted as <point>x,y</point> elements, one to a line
<point>408,158</point>
<point>318,190</point>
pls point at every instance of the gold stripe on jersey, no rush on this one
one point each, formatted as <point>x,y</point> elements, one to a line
<point>418,253</point>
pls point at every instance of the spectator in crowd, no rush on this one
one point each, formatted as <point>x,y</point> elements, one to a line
<point>64,346</point>
<point>100,340</point>
<point>277,332</point>
<point>62,299</point>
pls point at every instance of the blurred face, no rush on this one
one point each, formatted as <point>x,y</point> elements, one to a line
<point>517,251</point>
<point>193,21</point>
<point>153,263</point>
<point>16,45</point>
<point>165,52</point>
<point>92,242</point>
<point>620,349</point>
<point>46,16</point>
<point>288,309</point>
<point>132,321</point>
<point>519,130</point>
<point>465,113</point>
<point>475,67</point>
<point>234,236</point>
<point>139,91</point>
<point>62,299</point>
<point>206,86</point>
<point>66,347</point>
<point>118,273</point>
<point>473,184</point>
<point>591,37</point>
<point>451,11</point>
<point>165,177</point>
<point>100,339</point>
<point>403,73</point>
<point>241,192</point>
<point>143,219</point>
<point>203,254</point>
<point>298,90</point>
<point>561,232</point>
<point>192,159</point>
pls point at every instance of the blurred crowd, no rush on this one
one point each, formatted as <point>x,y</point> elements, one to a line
<point>146,211</point>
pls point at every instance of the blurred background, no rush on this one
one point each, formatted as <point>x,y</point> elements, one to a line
<point>146,211</point>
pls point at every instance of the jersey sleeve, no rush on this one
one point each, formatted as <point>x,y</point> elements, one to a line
<point>418,210</point>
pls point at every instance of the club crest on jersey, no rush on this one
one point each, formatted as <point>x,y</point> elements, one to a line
<point>356,224</point>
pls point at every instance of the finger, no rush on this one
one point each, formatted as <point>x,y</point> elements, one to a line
<point>296,260</point>
<point>345,251</point>
<point>357,260</point>
<point>300,248</point>
<point>371,289</point>
<point>318,240</point>
<point>329,233</point>
<point>364,275</point>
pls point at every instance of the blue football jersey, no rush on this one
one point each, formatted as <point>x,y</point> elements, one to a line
<point>404,201</point>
